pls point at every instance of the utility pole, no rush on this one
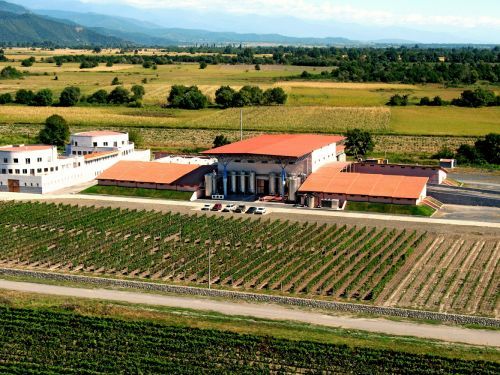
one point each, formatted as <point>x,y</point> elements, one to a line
<point>241,124</point>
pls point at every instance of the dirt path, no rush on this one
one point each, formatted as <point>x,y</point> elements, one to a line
<point>273,312</point>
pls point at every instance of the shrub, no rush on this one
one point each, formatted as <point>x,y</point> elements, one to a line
<point>444,153</point>
<point>86,64</point>
<point>437,101</point>
<point>425,101</point>
<point>220,140</point>
<point>69,96</point>
<point>28,62</point>
<point>398,100</point>
<point>478,98</point>
<point>138,92</point>
<point>5,98</point>
<point>203,65</point>
<point>115,82</point>
<point>10,72</point>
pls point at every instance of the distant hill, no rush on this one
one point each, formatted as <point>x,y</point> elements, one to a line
<point>12,8</point>
<point>31,28</point>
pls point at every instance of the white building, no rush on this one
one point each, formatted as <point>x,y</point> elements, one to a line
<point>39,168</point>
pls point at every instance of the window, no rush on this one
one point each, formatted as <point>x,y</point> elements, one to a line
<point>105,143</point>
<point>5,160</point>
<point>4,171</point>
<point>16,160</point>
<point>10,171</point>
<point>251,161</point>
<point>95,144</point>
<point>39,160</point>
<point>45,169</point>
<point>32,171</point>
<point>25,171</point>
<point>18,171</point>
<point>123,142</point>
<point>52,169</point>
<point>39,170</point>
<point>115,144</point>
<point>79,152</point>
<point>76,143</point>
<point>28,160</point>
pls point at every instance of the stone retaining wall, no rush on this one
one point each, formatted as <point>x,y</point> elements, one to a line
<point>255,297</point>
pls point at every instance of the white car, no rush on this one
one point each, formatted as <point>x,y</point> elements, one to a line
<point>206,207</point>
<point>229,208</point>
<point>260,211</point>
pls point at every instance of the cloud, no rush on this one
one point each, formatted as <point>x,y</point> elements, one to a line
<point>321,10</point>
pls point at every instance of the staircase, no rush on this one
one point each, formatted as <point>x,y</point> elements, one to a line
<point>452,182</point>
<point>432,203</point>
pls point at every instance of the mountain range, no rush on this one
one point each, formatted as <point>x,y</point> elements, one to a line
<point>64,27</point>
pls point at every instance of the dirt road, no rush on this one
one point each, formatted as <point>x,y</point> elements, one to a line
<point>273,312</point>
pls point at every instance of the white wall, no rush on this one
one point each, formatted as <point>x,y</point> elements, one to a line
<point>324,155</point>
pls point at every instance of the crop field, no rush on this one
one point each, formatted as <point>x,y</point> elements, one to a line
<point>308,259</point>
<point>90,344</point>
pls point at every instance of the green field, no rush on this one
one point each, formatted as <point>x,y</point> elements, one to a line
<point>387,208</point>
<point>152,341</point>
<point>138,192</point>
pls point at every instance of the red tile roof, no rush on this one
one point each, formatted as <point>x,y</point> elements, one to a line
<point>144,171</point>
<point>98,133</point>
<point>329,179</point>
<point>288,145</point>
<point>24,148</point>
<point>96,155</point>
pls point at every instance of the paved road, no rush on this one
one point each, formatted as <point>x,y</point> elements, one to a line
<point>273,312</point>
<point>278,209</point>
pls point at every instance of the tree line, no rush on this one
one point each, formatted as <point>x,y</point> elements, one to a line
<point>71,96</point>
<point>479,97</point>
<point>485,151</point>
<point>190,97</point>
<point>404,64</point>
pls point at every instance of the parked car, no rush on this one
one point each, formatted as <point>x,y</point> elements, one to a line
<point>229,208</point>
<point>217,207</point>
<point>260,211</point>
<point>240,209</point>
<point>206,207</point>
<point>251,210</point>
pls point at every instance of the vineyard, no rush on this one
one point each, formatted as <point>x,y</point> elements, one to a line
<point>401,267</point>
<point>80,344</point>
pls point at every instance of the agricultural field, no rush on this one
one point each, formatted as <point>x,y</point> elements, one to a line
<point>82,343</point>
<point>345,262</point>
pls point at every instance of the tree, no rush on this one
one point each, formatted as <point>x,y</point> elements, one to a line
<point>257,66</point>
<point>24,96</point>
<point>220,140</point>
<point>467,154</point>
<point>224,96</point>
<point>115,82</point>
<point>138,92</point>
<point>275,95</point>
<point>28,62</point>
<point>437,101</point>
<point>86,64</point>
<point>444,153</point>
<point>478,98</point>
<point>109,64</point>
<point>203,65</point>
<point>55,132</point>
<point>97,50</point>
<point>69,96</point>
<point>43,98</point>
<point>358,142</point>
<point>489,148</point>
<point>187,97</point>
<point>398,100</point>
<point>98,97</point>
<point>135,137</point>
<point>5,98</point>
<point>119,95</point>
<point>425,101</point>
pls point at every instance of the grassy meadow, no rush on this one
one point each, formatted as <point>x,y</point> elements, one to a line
<point>313,106</point>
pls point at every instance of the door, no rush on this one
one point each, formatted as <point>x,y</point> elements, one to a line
<point>13,186</point>
<point>262,186</point>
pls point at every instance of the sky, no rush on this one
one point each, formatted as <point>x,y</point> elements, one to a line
<point>450,20</point>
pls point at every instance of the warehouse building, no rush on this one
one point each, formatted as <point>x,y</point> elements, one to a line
<point>270,164</point>
<point>40,169</point>
<point>157,175</point>
<point>335,182</point>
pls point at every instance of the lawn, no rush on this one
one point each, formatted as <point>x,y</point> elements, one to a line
<point>387,208</point>
<point>138,192</point>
